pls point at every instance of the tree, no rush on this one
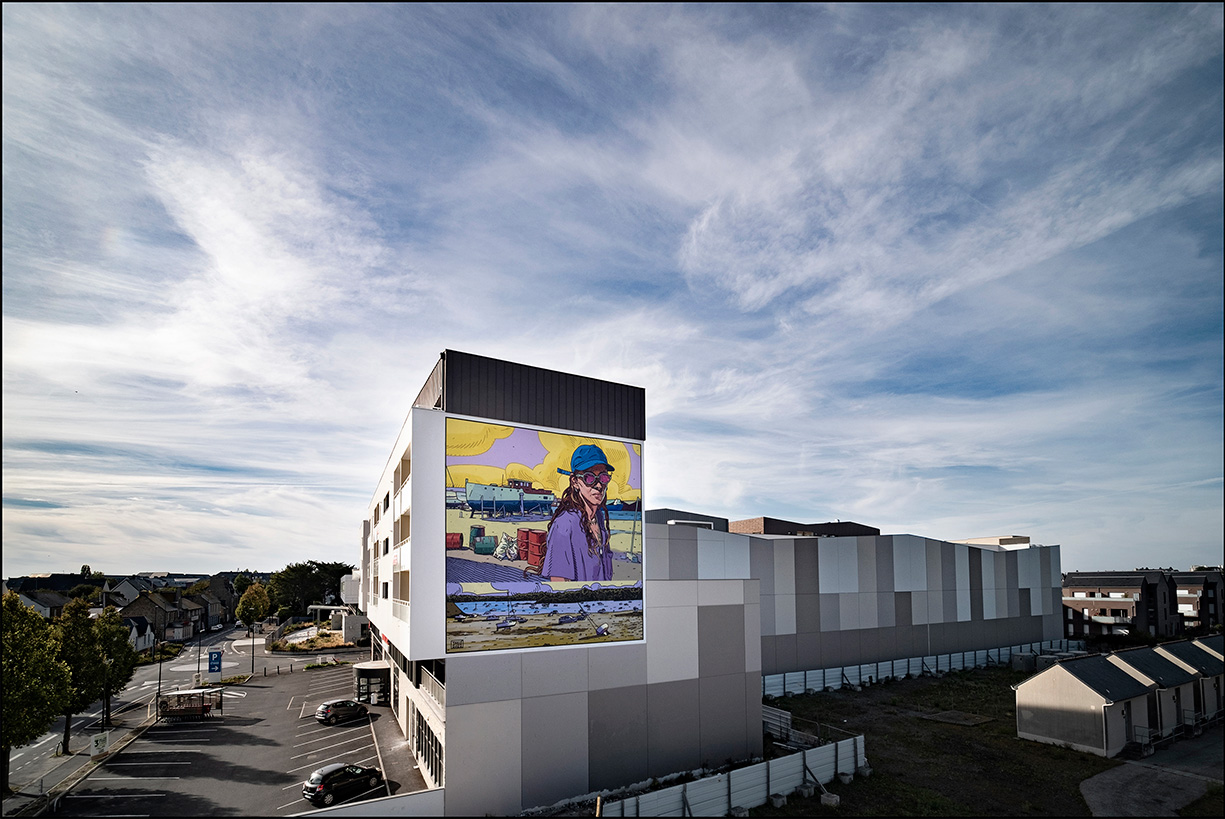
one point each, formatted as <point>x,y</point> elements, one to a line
<point>118,654</point>
<point>254,605</point>
<point>80,652</point>
<point>34,677</point>
<point>299,585</point>
<point>329,578</point>
<point>199,587</point>
<point>296,586</point>
<point>241,584</point>
<point>86,571</point>
<point>87,590</point>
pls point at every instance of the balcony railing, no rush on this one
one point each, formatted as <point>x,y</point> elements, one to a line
<point>399,609</point>
<point>435,689</point>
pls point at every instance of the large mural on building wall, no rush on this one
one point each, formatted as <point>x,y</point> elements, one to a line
<point>543,538</point>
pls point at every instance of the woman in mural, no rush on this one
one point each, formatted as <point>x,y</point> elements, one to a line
<point>576,547</point>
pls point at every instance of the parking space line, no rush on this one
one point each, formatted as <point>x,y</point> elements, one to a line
<point>318,763</point>
<point>309,741</point>
<point>321,750</point>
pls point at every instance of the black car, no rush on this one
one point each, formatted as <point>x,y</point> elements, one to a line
<point>334,711</point>
<point>338,780</point>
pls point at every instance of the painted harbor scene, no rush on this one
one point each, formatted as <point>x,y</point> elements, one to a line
<point>543,538</point>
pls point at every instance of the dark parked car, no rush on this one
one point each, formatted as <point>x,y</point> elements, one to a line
<point>335,781</point>
<point>334,711</point>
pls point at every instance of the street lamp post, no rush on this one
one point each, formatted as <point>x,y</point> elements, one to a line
<point>157,650</point>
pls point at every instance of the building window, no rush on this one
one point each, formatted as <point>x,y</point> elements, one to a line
<point>429,751</point>
<point>386,545</point>
<point>385,585</point>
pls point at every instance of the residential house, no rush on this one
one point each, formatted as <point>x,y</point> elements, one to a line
<point>1196,659</point>
<point>140,633</point>
<point>49,604</point>
<point>1143,600</point>
<point>1087,703</point>
<point>1199,597</point>
<point>1172,707</point>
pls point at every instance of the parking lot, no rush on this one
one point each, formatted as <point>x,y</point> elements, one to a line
<point>251,760</point>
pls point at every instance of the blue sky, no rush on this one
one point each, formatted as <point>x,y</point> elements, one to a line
<point>953,271</point>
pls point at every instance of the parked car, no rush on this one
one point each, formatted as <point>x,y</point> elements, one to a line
<point>238,624</point>
<point>337,780</point>
<point>334,711</point>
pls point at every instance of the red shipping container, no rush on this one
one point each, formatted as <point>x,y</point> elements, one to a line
<point>455,540</point>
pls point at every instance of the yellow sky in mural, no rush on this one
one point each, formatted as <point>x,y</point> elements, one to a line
<point>470,438</point>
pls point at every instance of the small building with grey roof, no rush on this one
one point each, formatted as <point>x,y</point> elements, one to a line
<point>1089,704</point>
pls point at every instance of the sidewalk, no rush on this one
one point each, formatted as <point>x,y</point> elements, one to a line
<point>395,756</point>
<point>80,764</point>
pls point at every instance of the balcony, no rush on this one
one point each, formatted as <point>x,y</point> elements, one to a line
<point>431,686</point>
<point>399,609</point>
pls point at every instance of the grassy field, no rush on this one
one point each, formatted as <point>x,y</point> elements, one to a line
<point>922,767</point>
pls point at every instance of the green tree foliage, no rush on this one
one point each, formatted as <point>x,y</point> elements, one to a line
<point>254,604</point>
<point>79,650</point>
<point>34,677</point>
<point>199,587</point>
<point>330,575</point>
<point>118,654</point>
<point>87,590</point>
<point>241,584</point>
<point>299,585</point>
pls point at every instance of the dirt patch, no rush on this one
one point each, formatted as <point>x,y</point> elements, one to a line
<point>957,718</point>
<point>923,765</point>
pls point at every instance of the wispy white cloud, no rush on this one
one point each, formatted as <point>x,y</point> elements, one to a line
<point>946,270</point>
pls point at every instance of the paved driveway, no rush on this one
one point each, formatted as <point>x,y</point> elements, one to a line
<point>1168,780</point>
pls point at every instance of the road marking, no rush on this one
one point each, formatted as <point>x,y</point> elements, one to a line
<point>321,750</point>
<point>309,741</point>
<point>19,756</point>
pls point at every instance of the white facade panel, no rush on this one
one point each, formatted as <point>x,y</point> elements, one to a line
<point>988,571</point>
<point>712,564</point>
<point>429,569</point>
<point>909,563</point>
<point>962,555</point>
<point>672,650</point>
<point>721,593</point>
<point>848,612</point>
<point>838,565</point>
<point>963,605</point>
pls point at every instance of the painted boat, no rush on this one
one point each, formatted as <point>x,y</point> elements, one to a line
<point>515,497</point>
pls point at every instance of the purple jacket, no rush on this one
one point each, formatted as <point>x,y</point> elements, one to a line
<point>566,553</point>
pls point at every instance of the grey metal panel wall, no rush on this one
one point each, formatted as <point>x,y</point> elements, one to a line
<point>520,394</point>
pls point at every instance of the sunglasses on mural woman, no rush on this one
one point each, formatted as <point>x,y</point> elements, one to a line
<point>592,478</point>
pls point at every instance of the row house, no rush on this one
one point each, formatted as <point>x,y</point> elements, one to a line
<point>1104,703</point>
<point>1199,597</point>
<point>1106,603</point>
<point>172,616</point>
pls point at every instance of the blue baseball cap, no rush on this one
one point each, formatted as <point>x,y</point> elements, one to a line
<point>585,457</point>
